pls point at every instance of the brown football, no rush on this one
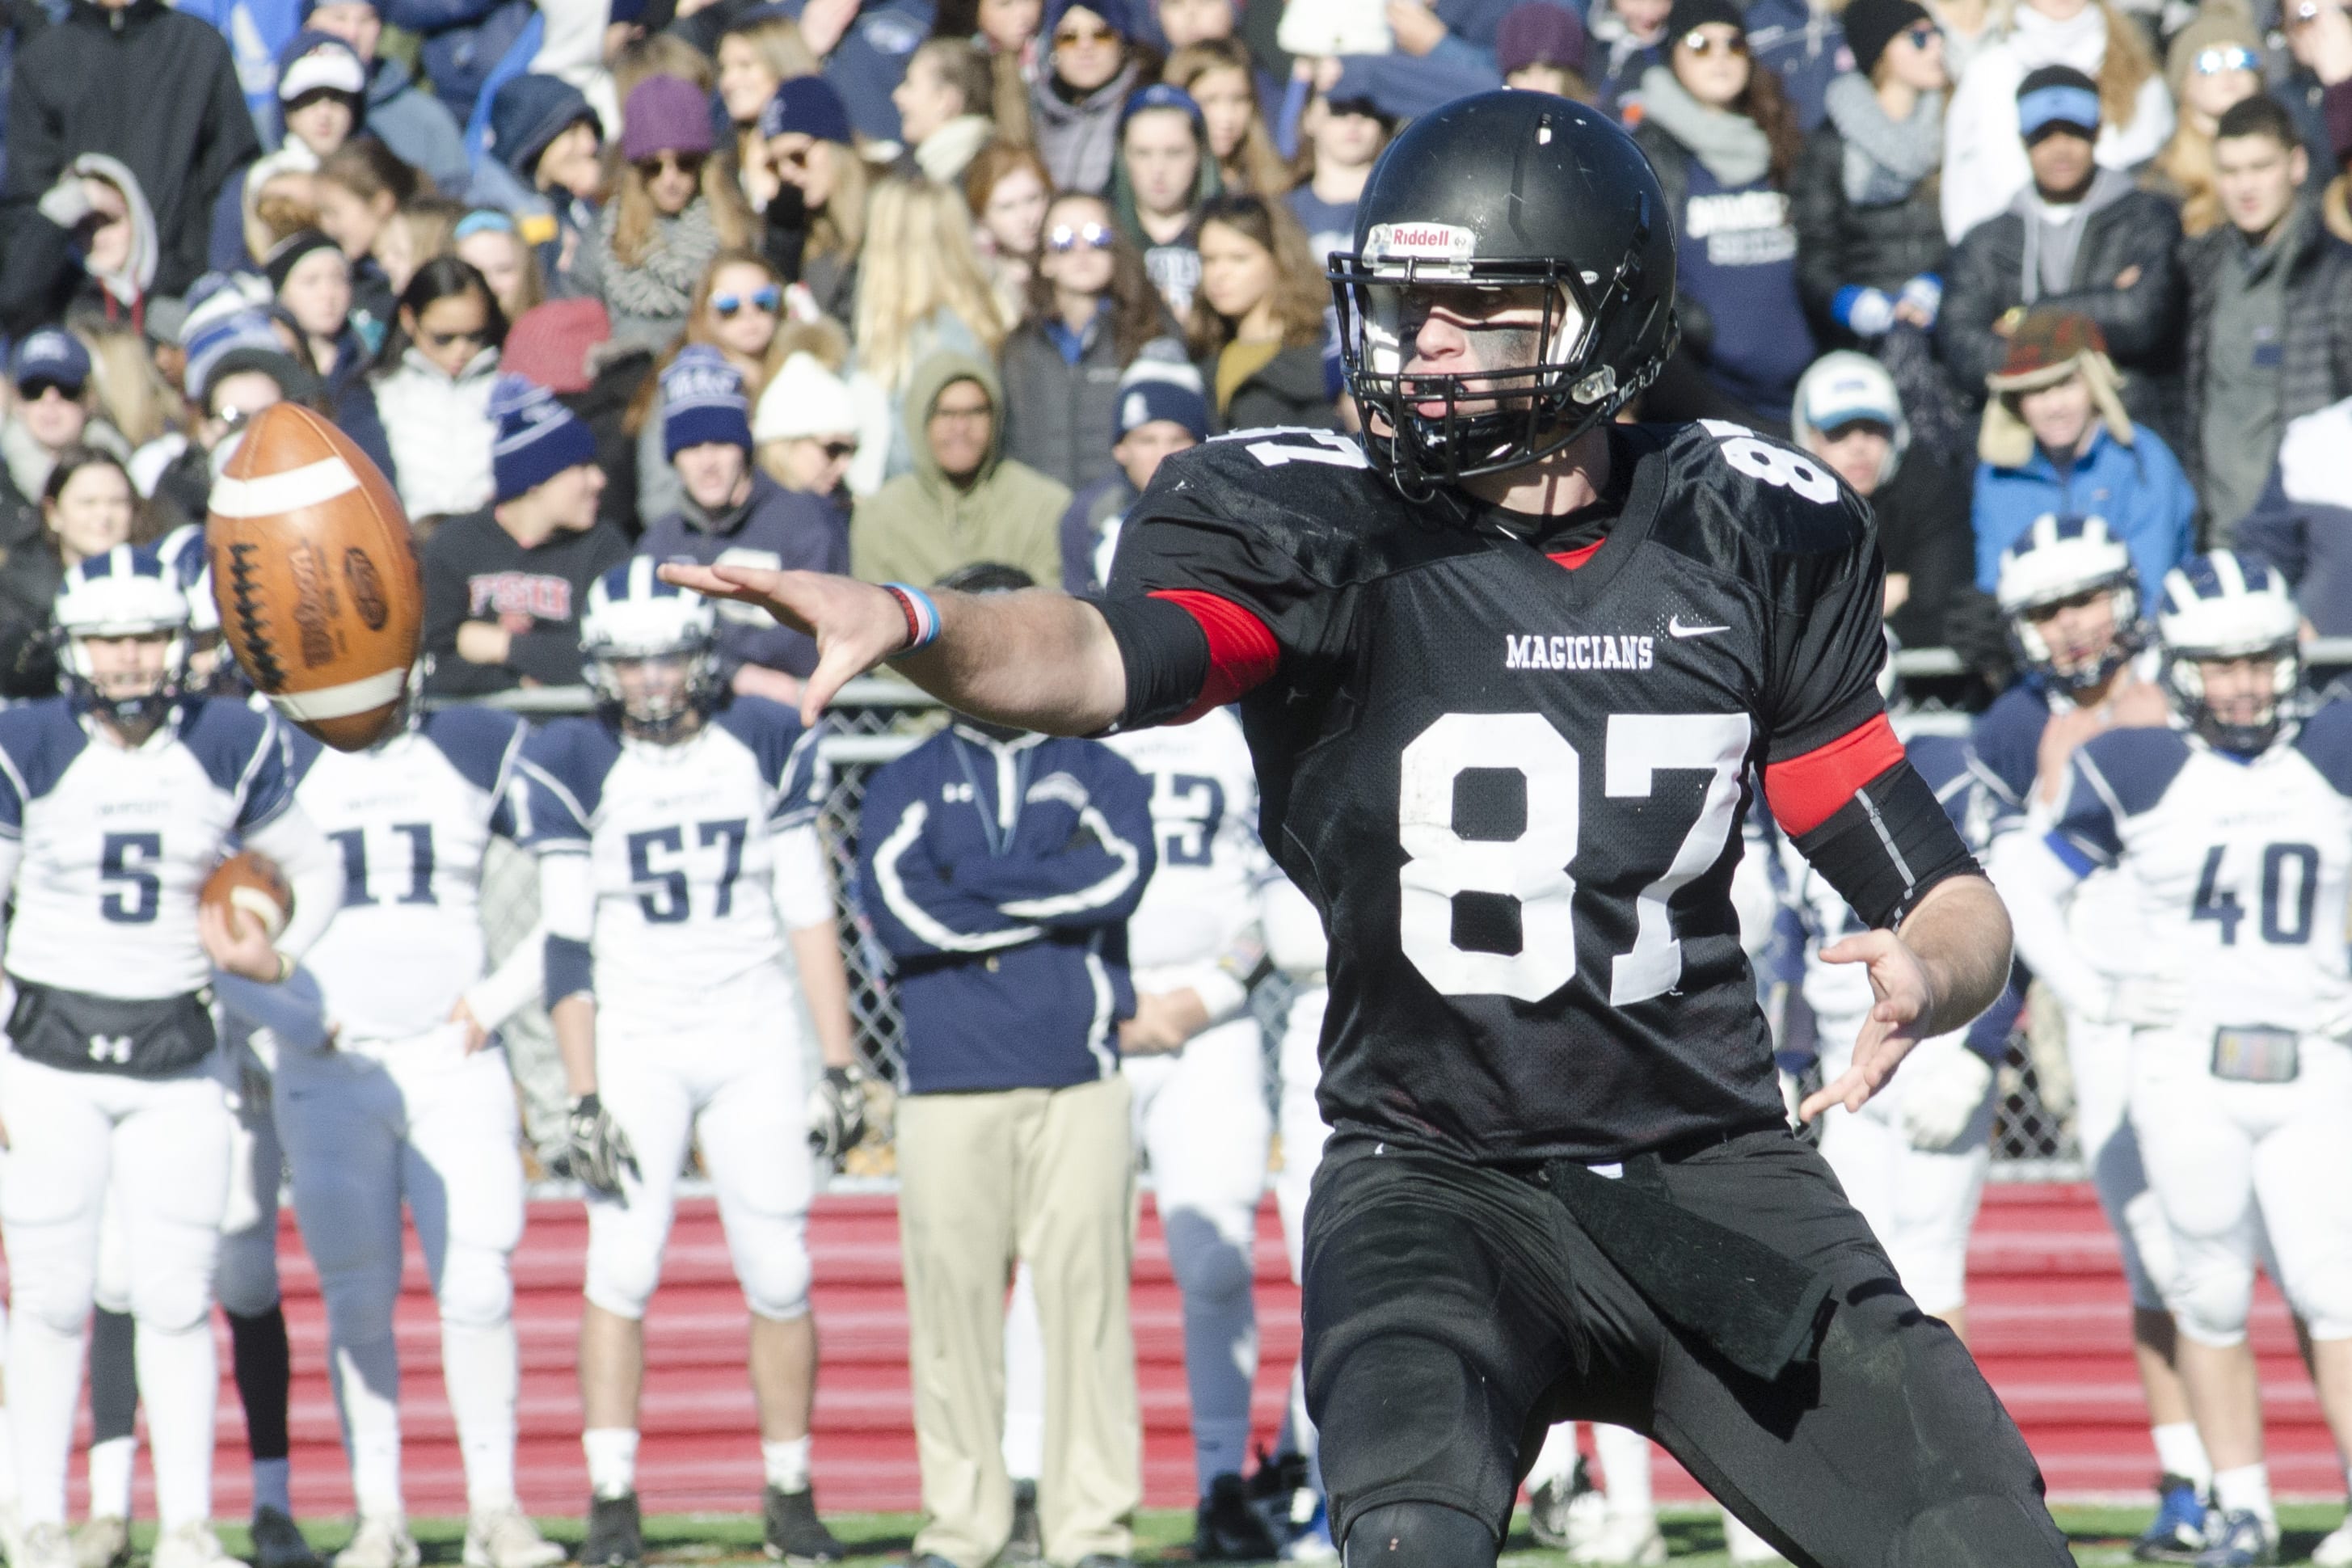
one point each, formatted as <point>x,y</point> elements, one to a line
<point>251,882</point>
<point>316,577</point>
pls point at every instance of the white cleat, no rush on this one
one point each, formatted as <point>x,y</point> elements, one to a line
<point>102,1540</point>
<point>380,1544</point>
<point>506,1537</point>
<point>1744,1545</point>
<point>190,1546</point>
<point>44,1546</point>
<point>2335,1550</point>
<point>1622,1539</point>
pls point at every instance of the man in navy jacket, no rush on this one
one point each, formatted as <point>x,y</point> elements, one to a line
<point>998,868</point>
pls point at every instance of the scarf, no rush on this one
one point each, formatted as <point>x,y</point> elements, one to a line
<point>662,284</point>
<point>1885,158</point>
<point>1733,147</point>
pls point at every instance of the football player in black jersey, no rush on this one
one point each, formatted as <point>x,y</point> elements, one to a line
<point>1504,668</point>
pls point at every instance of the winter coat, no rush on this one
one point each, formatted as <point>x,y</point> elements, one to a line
<point>30,574</point>
<point>43,280</point>
<point>1842,245</point>
<point>463,40</point>
<point>1292,388</point>
<point>1079,140</point>
<point>256,31</point>
<point>440,432</point>
<point>1061,419</point>
<point>2140,490</point>
<point>1985,277</point>
<point>1805,44</point>
<point>145,84</point>
<point>774,528</point>
<point>2314,325</point>
<point>2302,524</point>
<point>350,403</point>
<point>919,527</point>
<point>416,126</point>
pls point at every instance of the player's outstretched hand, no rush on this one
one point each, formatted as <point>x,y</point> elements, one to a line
<point>234,941</point>
<point>1905,998</point>
<point>856,626</point>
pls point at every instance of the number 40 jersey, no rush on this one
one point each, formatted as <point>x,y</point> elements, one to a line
<point>1508,764</point>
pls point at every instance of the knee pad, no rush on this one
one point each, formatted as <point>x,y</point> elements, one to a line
<point>1418,1535</point>
<point>2320,1291</point>
<point>172,1300</point>
<point>624,1262</point>
<point>1209,1265</point>
<point>2210,1300</point>
<point>55,1292</point>
<point>1979,1531</point>
<point>773,1266</point>
<point>476,1288</point>
<point>246,1276</point>
<point>2149,1258</point>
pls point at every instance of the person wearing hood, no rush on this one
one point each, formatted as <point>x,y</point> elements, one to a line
<point>943,105</point>
<point>2080,237</point>
<point>322,101</point>
<point>2056,439</point>
<point>966,501</point>
<point>1848,415</point>
<point>1984,166</point>
<point>88,246</point>
<point>731,510</point>
<point>142,83</point>
<point>1723,140</point>
<point>1165,171</point>
<point>400,112</point>
<point>1077,103</point>
<point>544,165</point>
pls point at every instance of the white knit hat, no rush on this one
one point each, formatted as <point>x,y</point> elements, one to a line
<point>805,399</point>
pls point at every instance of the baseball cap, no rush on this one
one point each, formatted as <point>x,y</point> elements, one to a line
<point>51,357</point>
<point>2057,98</point>
<point>320,62</point>
<point>1848,389</point>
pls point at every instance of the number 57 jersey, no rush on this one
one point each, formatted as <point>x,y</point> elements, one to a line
<point>1508,766</point>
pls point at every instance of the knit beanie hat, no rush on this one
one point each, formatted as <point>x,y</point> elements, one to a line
<point>804,399</point>
<point>1119,16</point>
<point>809,105</point>
<point>2047,347</point>
<point>527,113</point>
<point>703,402</point>
<point>665,114</point>
<point>1149,401</point>
<point>538,437</point>
<point>1689,15</point>
<point>211,341</point>
<point>549,344</point>
<point>2217,27</point>
<point>1540,34</point>
<point>1871,24</point>
<point>287,254</point>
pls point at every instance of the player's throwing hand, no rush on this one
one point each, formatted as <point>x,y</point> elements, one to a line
<point>1895,1026</point>
<point>856,624</point>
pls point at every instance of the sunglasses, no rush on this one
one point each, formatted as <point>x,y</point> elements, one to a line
<point>660,163</point>
<point>451,340</point>
<point>1093,235</point>
<point>1922,34</point>
<point>1083,38</point>
<point>2226,58</point>
<point>1701,44</point>
<point>768,299</point>
<point>835,451</point>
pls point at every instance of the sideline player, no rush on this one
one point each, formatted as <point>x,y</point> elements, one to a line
<point>681,881</point>
<point>2232,833</point>
<point>115,802</point>
<point>2076,620</point>
<point>1502,670</point>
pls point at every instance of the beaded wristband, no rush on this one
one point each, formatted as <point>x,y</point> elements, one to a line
<point>922,615</point>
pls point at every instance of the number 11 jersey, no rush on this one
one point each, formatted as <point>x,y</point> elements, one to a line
<point>1511,774</point>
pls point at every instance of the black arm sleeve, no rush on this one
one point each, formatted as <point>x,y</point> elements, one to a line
<point>1166,653</point>
<point>1882,850</point>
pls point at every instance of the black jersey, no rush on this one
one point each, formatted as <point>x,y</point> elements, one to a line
<point>1514,790</point>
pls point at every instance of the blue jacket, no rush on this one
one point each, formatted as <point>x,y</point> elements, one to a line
<point>256,30</point>
<point>463,39</point>
<point>416,125</point>
<point>1000,875</point>
<point>2140,490</point>
<point>1805,46</point>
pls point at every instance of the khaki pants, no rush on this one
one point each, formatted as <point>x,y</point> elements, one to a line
<point>1044,1175</point>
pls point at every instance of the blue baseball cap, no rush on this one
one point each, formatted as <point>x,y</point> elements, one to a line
<point>51,357</point>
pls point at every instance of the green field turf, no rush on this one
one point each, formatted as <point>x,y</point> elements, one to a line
<point>2102,1536</point>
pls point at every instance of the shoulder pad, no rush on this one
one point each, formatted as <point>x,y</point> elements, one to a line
<point>2133,768</point>
<point>573,756</point>
<point>769,730</point>
<point>38,741</point>
<point>2326,741</point>
<point>1733,499</point>
<point>479,742</point>
<point>224,737</point>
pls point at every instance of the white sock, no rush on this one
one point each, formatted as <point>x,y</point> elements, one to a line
<point>482,1367</point>
<point>2181,1452</point>
<point>273,1481</point>
<point>611,1460</point>
<point>1024,1382</point>
<point>1556,1460</point>
<point>44,1386</point>
<point>367,1397</point>
<point>109,1477</point>
<point>786,1464</point>
<point>179,1381</point>
<point>2244,1490</point>
<point>1624,1469</point>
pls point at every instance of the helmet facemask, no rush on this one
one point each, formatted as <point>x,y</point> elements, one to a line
<point>656,693</point>
<point>2034,649</point>
<point>130,704</point>
<point>2184,680</point>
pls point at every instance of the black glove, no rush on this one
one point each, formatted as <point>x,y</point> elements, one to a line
<point>596,1150</point>
<point>837,1111</point>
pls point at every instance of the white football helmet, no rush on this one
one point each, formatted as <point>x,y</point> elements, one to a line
<point>2061,558</point>
<point>633,616</point>
<point>126,592</point>
<point>2226,607</point>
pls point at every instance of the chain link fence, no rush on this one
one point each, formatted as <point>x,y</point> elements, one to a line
<point>877,720</point>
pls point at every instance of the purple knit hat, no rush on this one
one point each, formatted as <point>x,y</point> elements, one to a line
<point>663,114</point>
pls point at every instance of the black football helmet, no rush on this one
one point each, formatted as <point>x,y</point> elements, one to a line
<point>1506,190</point>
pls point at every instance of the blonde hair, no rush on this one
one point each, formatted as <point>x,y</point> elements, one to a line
<point>918,259</point>
<point>699,329</point>
<point>1256,167</point>
<point>777,41</point>
<point>283,207</point>
<point>132,392</point>
<point>634,229</point>
<point>660,54</point>
<point>2124,69</point>
<point>839,229</point>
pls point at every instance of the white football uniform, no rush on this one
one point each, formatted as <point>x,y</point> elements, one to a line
<point>2241,1072</point>
<point>395,1109</point>
<point>669,876</point>
<point>114,1076</point>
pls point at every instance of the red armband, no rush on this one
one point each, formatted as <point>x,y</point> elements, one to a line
<point>1806,791</point>
<point>1243,653</point>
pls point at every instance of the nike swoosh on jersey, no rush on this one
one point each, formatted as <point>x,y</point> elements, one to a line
<point>1675,626</point>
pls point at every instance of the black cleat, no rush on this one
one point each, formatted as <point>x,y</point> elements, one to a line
<point>279,1543</point>
<point>795,1534</point>
<point>1229,1530</point>
<point>1027,1541</point>
<point>615,1537</point>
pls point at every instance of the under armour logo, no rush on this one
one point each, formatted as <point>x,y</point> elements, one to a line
<point>113,1048</point>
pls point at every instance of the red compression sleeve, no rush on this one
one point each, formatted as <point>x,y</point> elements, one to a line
<point>1806,791</point>
<point>1242,652</point>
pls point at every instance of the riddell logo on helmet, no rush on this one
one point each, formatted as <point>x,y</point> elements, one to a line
<point>1431,241</point>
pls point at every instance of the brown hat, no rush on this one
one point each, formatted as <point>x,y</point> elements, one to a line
<point>2047,347</point>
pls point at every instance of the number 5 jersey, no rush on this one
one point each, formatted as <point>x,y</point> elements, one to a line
<point>1507,757</point>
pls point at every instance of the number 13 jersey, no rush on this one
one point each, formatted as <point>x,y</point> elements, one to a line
<point>1510,775</point>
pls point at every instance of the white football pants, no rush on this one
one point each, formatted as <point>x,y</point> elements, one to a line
<point>2101,1057</point>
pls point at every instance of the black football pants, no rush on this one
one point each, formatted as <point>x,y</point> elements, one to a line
<point>1453,1312</point>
